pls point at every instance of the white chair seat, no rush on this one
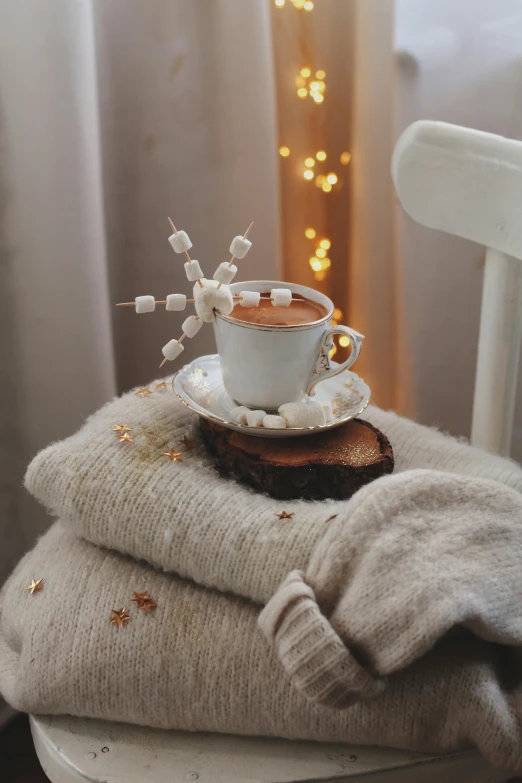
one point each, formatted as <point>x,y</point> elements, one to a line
<point>74,750</point>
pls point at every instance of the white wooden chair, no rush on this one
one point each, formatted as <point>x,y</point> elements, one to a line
<point>460,181</point>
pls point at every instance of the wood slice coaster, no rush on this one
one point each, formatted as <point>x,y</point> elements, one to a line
<point>332,464</point>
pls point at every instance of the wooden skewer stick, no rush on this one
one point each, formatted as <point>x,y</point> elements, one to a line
<point>133,304</point>
<point>233,257</point>
<point>173,227</point>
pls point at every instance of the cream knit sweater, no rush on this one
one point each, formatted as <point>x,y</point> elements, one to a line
<point>198,662</point>
<point>404,607</point>
<point>185,518</point>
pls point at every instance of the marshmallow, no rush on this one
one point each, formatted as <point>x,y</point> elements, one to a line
<point>192,325</point>
<point>172,349</point>
<point>240,246</point>
<point>240,414</point>
<point>193,271</point>
<point>328,410</point>
<point>145,304</point>
<point>281,297</point>
<point>249,298</point>
<point>207,297</point>
<point>303,414</point>
<point>180,242</point>
<point>225,273</point>
<point>176,302</point>
<point>255,418</point>
<point>274,422</point>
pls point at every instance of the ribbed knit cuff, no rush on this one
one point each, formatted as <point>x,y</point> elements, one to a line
<point>310,651</point>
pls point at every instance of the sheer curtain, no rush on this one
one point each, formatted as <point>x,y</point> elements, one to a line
<point>112,116</point>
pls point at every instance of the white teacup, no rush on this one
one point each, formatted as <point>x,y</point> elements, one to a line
<point>264,366</point>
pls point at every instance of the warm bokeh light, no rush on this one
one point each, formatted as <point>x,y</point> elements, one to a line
<point>320,74</point>
<point>318,98</point>
<point>320,180</point>
<point>332,178</point>
<point>308,174</point>
<point>279,3</point>
<point>325,244</point>
<point>310,233</point>
<point>333,352</point>
<point>309,162</point>
<point>345,158</point>
<point>320,252</point>
<point>338,314</point>
<point>315,264</point>
<point>308,5</point>
<point>321,155</point>
<point>284,152</point>
<point>302,92</point>
<point>344,341</point>
<point>300,81</point>
<point>306,72</point>
<point>326,186</point>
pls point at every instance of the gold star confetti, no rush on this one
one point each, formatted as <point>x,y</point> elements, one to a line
<point>189,444</point>
<point>173,455</point>
<point>121,428</point>
<point>285,515</point>
<point>35,587</point>
<point>144,601</point>
<point>143,392</point>
<point>161,386</point>
<point>124,436</point>
<point>119,617</point>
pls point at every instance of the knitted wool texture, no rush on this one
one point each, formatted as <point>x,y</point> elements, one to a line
<point>198,662</point>
<point>185,518</point>
<point>418,555</point>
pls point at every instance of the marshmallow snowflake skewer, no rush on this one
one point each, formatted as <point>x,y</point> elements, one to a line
<point>209,296</point>
<point>224,274</point>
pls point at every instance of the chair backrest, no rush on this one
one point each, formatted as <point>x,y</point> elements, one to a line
<point>469,183</point>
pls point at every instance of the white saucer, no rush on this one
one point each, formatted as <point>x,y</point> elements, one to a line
<point>199,385</point>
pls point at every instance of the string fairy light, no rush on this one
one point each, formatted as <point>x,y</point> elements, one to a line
<point>300,5</point>
<point>308,86</point>
<point>310,82</point>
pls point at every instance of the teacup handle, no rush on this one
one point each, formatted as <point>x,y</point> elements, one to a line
<point>322,368</point>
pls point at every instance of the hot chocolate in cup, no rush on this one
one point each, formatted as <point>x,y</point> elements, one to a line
<point>276,359</point>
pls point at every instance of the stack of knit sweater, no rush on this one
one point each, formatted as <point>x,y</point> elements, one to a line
<point>393,618</point>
